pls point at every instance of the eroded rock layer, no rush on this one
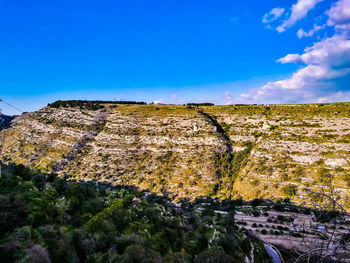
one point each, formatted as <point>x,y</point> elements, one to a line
<point>224,151</point>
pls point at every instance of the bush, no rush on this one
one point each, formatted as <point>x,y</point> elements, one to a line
<point>178,257</point>
<point>290,190</point>
<point>200,104</point>
<point>90,105</point>
<point>295,234</point>
<point>282,218</point>
<point>39,181</point>
<point>208,212</point>
<point>256,202</point>
<point>76,222</point>
<point>256,213</point>
<point>227,243</point>
<point>23,172</point>
<point>279,207</point>
<point>245,245</point>
<point>213,256</point>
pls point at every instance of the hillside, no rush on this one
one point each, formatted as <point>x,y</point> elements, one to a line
<point>220,151</point>
<point>44,218</point>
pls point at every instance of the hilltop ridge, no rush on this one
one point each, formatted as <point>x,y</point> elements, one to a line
<point>248,151</point>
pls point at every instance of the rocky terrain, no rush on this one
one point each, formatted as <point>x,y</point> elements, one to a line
<point>251,151</point>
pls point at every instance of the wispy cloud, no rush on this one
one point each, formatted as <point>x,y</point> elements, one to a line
<point>159,101</point>
<point>228,98</point>
<point>301,33</point>
<point>298,11</point>
<point>273,15</point>
<point>325,64</point>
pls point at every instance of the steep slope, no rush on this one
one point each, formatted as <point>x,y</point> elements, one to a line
<point>294,147</point>
<point>49,219</point>
<point>225,151</point>
<point>165,149</point>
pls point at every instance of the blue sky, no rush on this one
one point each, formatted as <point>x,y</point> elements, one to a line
<point>168,51</point>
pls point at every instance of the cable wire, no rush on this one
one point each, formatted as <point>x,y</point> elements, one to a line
<point>1,100</point>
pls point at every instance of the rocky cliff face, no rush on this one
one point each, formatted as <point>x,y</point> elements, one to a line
<point>294,147</point>
<point>224,151</point>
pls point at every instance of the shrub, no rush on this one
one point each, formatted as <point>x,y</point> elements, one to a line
<point>256,213</point>
<point>290,190</point>
<point>39,181</point>
<point>23,172</point>
<point>213,256</point>
<point>295,234</point>
<point>282,218</point>
<point>245,245</point>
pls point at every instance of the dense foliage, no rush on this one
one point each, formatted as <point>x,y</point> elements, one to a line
<point>89,104</point>
<point>5,120</point>
<point>45,218</point>
<point>229,164</point>
<point>200,104</point>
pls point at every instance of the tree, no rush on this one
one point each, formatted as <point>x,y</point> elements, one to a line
<point>328,210</point>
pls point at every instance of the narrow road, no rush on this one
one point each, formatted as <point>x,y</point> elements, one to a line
<point>273,253</point>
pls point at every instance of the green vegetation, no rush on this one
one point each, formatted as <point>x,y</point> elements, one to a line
<point>89,104</point>
<point>290,190</point>
<point>188,151</point>
<point>200,104</point>
<point>228,165</point>
<point>45,218</point>
<point>5,120</point>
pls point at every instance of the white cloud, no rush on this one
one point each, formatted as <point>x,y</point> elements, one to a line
<point>160,101</point>
<point>299,11</point>
<point>339,15</point>
<point>325,63</point>
<point>330,52</point>
<point>174,99</point>
<point>338,96</point>
<point>243,98</point>
<point>228,97</point>
<point>325,66</point>
<point>272,15</point>
<point>301,33</point>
